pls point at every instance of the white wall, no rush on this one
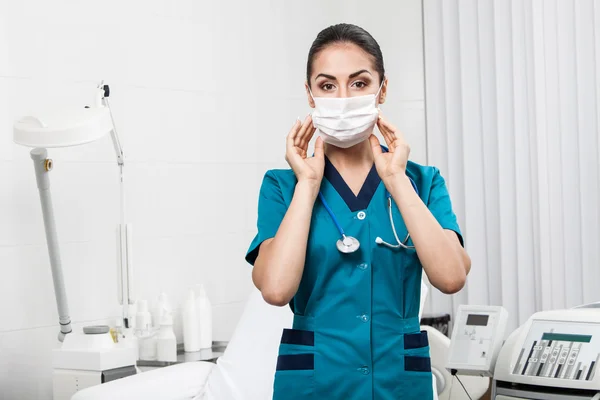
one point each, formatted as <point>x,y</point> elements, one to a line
<point>203,94</point>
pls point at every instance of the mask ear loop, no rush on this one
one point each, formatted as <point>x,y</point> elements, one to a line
<point>377,94</point>
<point>380,86</point>
<point>313,98</point>
<point>311,93</point>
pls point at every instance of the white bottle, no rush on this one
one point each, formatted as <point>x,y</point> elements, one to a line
<point>191,328</point>
<point>130,340</point>
<point>119,329</point>
<point>166,342</point>
<point>204,319</point>
<point>161,307</point>
<point>143,318</point>
<point>147,346</point>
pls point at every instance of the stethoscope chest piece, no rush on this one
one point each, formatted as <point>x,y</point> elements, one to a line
<point>348,244</point>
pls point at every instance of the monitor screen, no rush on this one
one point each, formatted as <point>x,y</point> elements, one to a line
<point>477,320</point>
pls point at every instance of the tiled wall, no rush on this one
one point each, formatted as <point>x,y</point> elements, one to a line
<point>203,94</point>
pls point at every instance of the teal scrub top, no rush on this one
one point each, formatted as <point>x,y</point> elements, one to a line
<point>356,333</point>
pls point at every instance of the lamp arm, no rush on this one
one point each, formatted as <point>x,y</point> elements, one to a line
<point>125,268</point>
<point>117,145</point>
<point>103,93</point>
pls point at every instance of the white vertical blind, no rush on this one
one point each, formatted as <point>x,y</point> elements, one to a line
<point>513,105</point>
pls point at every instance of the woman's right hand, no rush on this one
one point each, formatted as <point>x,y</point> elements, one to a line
<point>308,170</point>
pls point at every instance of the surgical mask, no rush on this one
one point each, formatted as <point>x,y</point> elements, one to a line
<point>345,121</point>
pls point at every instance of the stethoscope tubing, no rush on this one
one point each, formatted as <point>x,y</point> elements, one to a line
<point>378,240</point>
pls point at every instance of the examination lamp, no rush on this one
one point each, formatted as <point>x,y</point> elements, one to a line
<point>65,128</point>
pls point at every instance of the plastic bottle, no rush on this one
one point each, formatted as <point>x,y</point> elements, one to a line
<point>161,307</point>
<point>191,328</point>
<point>130,340</point>
<point>166,342</point>
<point>117,331</point>
<point>204,319</point>
<point>147,345</point>
<point>146,337</point>
<point>119,328</point>
<point>143,318</point>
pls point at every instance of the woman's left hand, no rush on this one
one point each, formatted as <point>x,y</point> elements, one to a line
<point>392,164</point>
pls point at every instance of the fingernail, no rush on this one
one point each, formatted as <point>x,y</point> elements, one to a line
<point>297,118</point>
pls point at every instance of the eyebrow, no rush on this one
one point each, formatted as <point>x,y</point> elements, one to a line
<point>352,75</point>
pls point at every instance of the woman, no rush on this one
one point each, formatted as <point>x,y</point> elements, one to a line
<point>355,297</point>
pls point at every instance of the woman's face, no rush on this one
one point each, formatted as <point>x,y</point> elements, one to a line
<point>344,70</point>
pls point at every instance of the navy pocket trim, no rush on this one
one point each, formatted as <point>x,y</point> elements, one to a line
<point>416,340</point>
<point>297,336</point>
<point>418,364</point>
<point>294,362</point>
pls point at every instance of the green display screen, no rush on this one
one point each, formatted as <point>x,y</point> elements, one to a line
<point>565,337</point>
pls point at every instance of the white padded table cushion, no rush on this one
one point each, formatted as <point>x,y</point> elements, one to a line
<point>178,382</point>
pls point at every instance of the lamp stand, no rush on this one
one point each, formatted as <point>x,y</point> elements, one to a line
<point>43,166</point>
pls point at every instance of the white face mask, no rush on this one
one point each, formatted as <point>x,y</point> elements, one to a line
<point>345,121</point>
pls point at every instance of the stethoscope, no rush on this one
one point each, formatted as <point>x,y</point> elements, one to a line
<point>348,244</point>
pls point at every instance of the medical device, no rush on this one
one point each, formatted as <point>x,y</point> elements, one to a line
<point>348,244</point>
<point>64,128</point>
<point>554,355</point>
<point>476,339</point>
<point>84,358</point>
<point>89,359</point>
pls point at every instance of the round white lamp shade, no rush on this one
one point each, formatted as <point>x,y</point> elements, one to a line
<point>63,128</point>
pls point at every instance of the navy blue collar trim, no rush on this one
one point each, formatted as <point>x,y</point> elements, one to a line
<point>354,203</point>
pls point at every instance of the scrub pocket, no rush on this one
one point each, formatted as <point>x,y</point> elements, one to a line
<point>416,380</point>
<point>294,375</point>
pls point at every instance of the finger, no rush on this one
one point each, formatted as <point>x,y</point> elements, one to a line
<point>393,137</point>
<point>377,151</point>
<point>307,137</point>
<point>319,150</point>
<point>383,125</point>
<point>389,140</point>
<point>394,132</point>
<point>375,145</point>
<point>292,133</point>
<point>303,130</point>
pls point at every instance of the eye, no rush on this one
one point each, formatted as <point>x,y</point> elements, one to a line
<point>327,86</point>
<point>359,84</point>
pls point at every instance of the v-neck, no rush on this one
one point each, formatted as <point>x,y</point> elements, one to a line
<point>354,202</point>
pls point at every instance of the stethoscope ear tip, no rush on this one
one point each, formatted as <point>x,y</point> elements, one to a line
<point>378,240</point>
